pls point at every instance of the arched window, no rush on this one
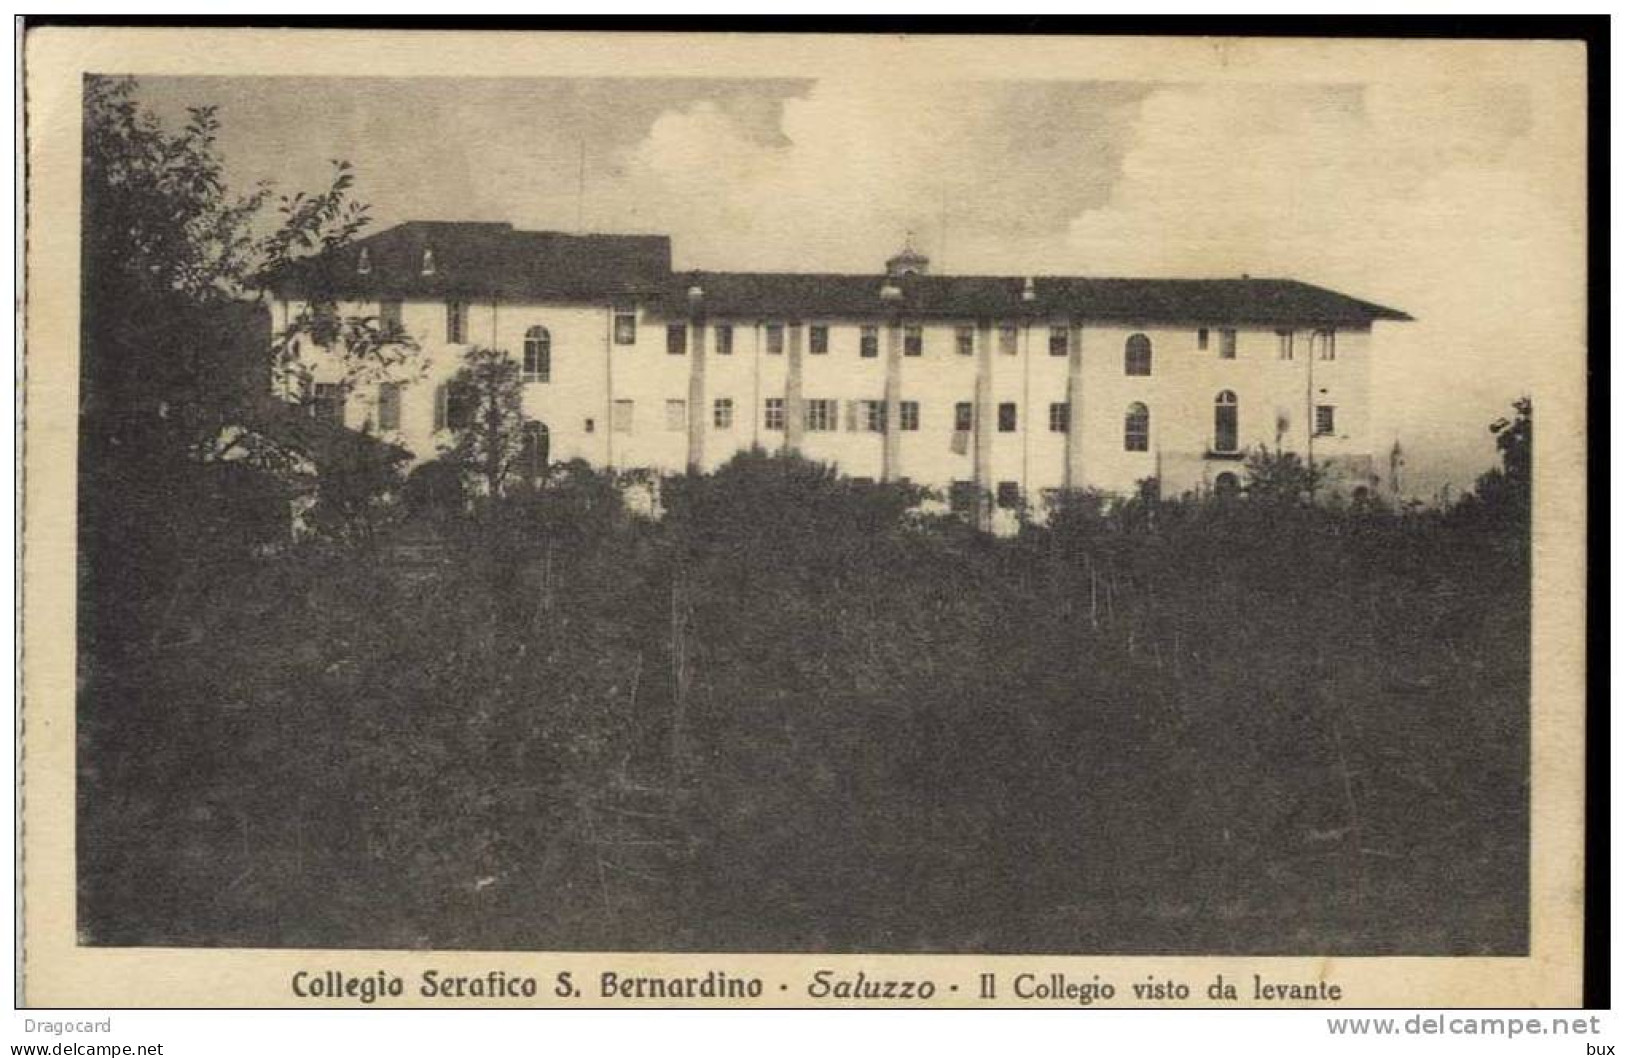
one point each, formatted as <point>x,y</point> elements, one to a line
<point>538,366</point>
<point>534,445</point>
<point>1137,428</point>
<point>1225,432</point>
<point>1137,355</point>
<point>1226,485</point>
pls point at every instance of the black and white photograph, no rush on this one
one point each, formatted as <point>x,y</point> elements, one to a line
<point>855,508</point>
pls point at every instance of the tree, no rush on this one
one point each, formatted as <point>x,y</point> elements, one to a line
<point>185,458</point>
<point>166,250</point>
<point>483,409</point>
<point>174,349</point>
<point>1281,478</point>
<point>1515,440</point>
<point>1504,493</point>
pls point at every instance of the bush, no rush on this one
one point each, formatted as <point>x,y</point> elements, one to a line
<point>792,716</point>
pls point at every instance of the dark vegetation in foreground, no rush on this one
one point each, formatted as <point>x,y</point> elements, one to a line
<point>793,716</point>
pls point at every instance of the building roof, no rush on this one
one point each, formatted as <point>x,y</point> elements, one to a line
<point>479,260</point>
<point>323,442</point>
<point>484,260</point>
<point>1200,301</point>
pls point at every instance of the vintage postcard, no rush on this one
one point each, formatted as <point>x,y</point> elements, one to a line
<point>593,519</point>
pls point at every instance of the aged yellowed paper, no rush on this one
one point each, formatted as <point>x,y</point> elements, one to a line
<point>802,520</point>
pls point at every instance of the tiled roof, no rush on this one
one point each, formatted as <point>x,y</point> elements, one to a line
<point>484,260</point>
<point>1211,301</point>
<point>322,441</point>
<point>493,260</point>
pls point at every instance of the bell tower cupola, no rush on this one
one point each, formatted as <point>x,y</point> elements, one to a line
<point>908,261</point>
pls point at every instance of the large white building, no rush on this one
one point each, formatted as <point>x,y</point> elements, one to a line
<point>1004,387</point>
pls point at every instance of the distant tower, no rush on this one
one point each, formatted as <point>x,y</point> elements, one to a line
<point>908,261</point>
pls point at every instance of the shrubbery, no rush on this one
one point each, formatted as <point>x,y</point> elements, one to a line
<point>790,715</point>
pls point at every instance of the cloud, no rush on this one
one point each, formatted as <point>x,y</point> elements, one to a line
<point>1421,198</point>
<point>856,162</point>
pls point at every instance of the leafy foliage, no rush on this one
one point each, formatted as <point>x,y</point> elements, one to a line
<point>489,442</point>
<point>1281,478</point>
<point>188,471</point>
<point>823,724</point>
<point>1504,493</point>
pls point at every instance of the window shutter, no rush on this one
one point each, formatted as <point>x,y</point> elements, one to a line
<point>440,407</point>
<point>852,416</point>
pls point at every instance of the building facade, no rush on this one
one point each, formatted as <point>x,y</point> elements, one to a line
<point>1002,388</point>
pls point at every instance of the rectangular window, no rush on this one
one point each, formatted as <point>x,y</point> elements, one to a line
<point>588,425</point>
<point>773,413</point>
<point>621,419</point>
<point>1009,495</point>
<point>1060,417</point>
<point>626,325</point>
<point>869,343</point>
<point>963,417</point>
<point>722,413</point>
<point>1326,344</point>
<point>1227,344</point>
<point>775,339</point>
<point>965,341</point>
<point>1201,338</point>
<point>326,402</point>
<point>725,339</point>
<point>676,338</point>
<point>389,316</point>
<point>458,404</point>
<point>1007,417</point>
<point>676,414</point>
<point>1325,420</point>
<point>389,405</point>
<point>913,340</point>
<point>456,322</point>
<point>1059,339</point>
<point>874,416</point>
<point>1009,335</point>
<point>1283,344</point>
<point>818,339</point>
<point>908,415</point>
<point>823,415</point>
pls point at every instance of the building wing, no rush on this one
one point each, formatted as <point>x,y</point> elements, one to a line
<point>434,260</point>
<point>1201,302</point>
<point>477,260</point>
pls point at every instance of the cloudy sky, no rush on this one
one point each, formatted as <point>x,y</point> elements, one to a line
<point>1435,198</point>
